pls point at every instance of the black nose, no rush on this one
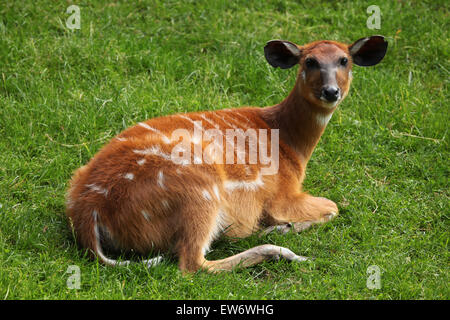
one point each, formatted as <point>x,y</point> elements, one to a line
<point>330,93</point>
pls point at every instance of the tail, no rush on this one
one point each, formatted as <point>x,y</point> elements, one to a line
<point>111,262</point>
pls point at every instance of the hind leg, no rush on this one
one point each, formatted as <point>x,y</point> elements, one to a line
<point>193,259</point>
<point>201,229</point>
<point>251,257</point>
<point>200,225</point>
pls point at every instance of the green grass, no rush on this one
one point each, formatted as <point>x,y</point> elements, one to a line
<point>383,158</point>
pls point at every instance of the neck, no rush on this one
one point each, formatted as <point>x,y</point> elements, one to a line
<point>300,121</point>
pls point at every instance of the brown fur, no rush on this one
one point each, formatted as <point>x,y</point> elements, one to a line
<point>177,217</point>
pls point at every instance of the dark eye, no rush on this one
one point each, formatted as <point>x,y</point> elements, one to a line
<point>343,62</point>
<point>311,63</point>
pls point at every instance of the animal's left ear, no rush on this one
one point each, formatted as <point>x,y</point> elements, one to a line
<point>368,51</point>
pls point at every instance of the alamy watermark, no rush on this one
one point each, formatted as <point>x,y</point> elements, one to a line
<point>74,20</point>
<point>74,280</point>
<point>373,277</point>
<point>374,21</point>
<point>215,146</point>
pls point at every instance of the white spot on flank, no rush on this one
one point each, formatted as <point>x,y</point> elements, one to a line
<point>231,185</point>
<point>97,189</point>
<point>215,125</point>
<point>322,119</point>
<point>121,139</point>
<point>225,121</point>
<point>129,176</point>
<point>141,161</point>
<point>216,192</point>
<point>241,116</point>
<point>146,126</point>
<point>234,112</point>
<point>155,151</point>
<point>186,118</point>
<point>161,179</point>
<point>146,215</point>
<point>231,113</point>
<point>165,204</point>
<point>206,195</point>
<point>165,139</point>
<point>304,75</point>
<point>196,123</point>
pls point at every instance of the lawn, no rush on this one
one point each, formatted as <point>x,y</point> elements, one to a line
<point>383,158</point>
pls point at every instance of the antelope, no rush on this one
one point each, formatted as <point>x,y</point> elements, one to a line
<point>133,196</point>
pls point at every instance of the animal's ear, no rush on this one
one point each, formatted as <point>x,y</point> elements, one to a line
<point>281,53</point>
<point>368,51</point>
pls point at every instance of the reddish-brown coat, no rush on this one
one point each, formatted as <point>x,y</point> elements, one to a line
<point>182,212</point>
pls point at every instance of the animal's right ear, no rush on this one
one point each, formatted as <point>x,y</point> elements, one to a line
<point>368,51</point>
<point>281,53</point>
